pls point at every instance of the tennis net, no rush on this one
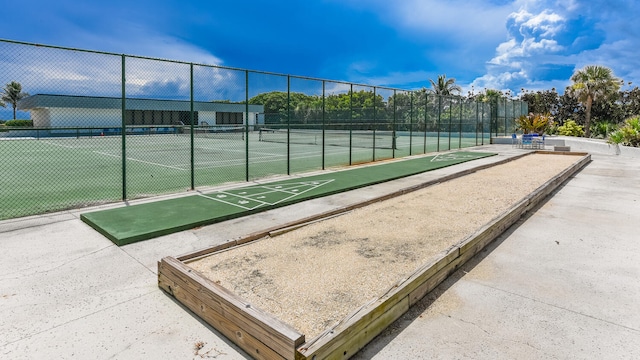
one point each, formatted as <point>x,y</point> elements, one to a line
<point>347,138</point>
<point>216,132</point>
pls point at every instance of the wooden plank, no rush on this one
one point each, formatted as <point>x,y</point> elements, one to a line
<point>353,342</point>
<point>548,152</point>
<point>435,280</point>
<point>476,242</point>
<point>267,329</point>
<point>226,327</point>
<point>199,283</point>
<point>227,320</point>
<point>192,256</point>
<point>361,321</point>
<point>264,330</point>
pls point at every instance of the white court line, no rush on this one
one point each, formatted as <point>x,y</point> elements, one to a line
<point>60,145</point>
<point>446,157</point>
<point>141,161</point>
<point>232,204</point>
<point>261,203</point>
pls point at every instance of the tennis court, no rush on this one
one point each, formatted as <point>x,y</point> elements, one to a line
<point>144,221</point>
<point>57,173</point>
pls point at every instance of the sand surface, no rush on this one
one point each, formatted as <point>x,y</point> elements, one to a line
<point>312,277</point>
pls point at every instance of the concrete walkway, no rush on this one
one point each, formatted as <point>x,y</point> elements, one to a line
<point>562,283</point>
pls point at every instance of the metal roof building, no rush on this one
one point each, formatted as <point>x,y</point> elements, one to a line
<point>91,111</point>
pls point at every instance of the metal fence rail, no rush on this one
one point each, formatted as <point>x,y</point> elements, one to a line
<point>101,127</point>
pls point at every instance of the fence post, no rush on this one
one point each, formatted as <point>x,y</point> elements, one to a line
<point>450,119</point>
<point>477,103</point>
<point>351,124</point>
<point>426,110</point>
<point>246,125</point>
<point>393,125</point>
<point>124,131</point>
<point>374,123</point>
<point>439,120</point>
<point>411,123</point>
<point>288,124</point>
<point>460,125</point>
<point>505,116</point>
<point>193,168</point>
<point>323,122</point>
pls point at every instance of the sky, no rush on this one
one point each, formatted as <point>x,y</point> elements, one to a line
<point>483,44</point>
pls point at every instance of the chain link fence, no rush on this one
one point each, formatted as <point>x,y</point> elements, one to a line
<point>94,127</point>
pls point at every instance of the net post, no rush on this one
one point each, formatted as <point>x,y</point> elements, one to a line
<point>123,131</point>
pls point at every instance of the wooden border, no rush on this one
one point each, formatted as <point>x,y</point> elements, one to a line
<point>265,337</point>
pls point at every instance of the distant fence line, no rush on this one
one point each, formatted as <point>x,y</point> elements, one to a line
<point>110,127</point>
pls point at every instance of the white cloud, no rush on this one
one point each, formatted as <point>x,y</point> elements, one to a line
<point>133,39</point>
<point>460,18</point>
<point>531,40</point>
<point>546,23</point>
<point>393,78</point>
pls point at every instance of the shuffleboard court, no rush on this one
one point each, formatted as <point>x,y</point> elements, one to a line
<point>139,222</point>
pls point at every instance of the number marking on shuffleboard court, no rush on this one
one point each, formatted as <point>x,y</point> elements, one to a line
<point>253,197</point>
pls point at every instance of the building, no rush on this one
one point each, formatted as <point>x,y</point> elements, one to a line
<point>54,111</point>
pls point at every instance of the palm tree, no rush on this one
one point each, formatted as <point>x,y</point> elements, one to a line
<point>12,93</point>
<point>444,86</point>
<point>590,84</point>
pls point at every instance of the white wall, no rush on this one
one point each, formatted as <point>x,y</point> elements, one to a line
<point>40,117</point>
<point>207,116</point>
<point>210,117</point>
<point>75,117</point>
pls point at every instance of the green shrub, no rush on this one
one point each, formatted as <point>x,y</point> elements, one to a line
<point>628,134</point>
<point>534,123</point>
<point>602,129</point>
<point>570,128</point>
<point>21,123</point>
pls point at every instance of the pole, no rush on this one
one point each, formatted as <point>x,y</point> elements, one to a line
<point>124,131</point>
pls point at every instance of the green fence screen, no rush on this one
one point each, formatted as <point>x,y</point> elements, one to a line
<point>94,127</point>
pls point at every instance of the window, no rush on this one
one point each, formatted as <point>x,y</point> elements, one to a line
<point>158,117</point>
<point>226,118</point>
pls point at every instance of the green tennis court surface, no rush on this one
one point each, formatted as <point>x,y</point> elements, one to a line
<point>145,221</point>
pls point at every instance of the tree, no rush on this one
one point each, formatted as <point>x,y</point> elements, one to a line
<point>444,86</point>
<point>12,93</point>
<point>542,101</point>
<point>569,108</point>
<point>591,83</point>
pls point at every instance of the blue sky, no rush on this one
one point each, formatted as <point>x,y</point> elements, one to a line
<point>498,44</point>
